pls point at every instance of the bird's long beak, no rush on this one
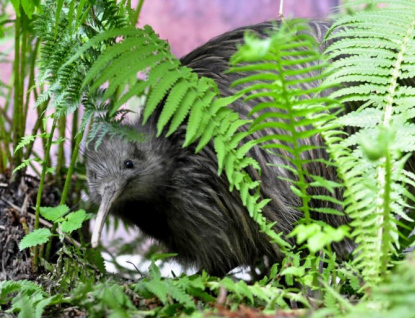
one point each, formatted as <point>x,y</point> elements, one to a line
<point>111,192</point>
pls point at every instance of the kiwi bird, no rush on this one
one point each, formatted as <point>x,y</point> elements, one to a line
<point>176,197</point>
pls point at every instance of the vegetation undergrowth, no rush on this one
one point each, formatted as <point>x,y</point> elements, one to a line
<point>358,96</point>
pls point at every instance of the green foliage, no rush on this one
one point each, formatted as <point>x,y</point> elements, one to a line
<point>376,69</point>
<point>286,69</point>
<point>67,223</point>
<point>36,237</point>
<point>92,55</point>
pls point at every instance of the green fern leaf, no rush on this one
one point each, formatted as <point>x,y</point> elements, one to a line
<point>175,97</point>
<point>159,91</point>
<point>182,112</point>
<point>220,149</point>
<point>195,118</point>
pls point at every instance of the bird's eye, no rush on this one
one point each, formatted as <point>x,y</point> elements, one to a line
<point>128,164</point>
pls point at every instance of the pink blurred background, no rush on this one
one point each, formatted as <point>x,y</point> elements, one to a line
<point>187,24</point>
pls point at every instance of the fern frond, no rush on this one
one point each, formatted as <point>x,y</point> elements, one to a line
<point>282,111</point>
<point>380,49</point>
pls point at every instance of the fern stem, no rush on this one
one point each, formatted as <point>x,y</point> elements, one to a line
<point>301,183</point>
<point>137,12</point>
<point>395,74</point>
<point>33,59</point>
<point>36,127</point>
<point>386,209</point>
<point>22,74</point>
<point>41,184</point>
<point>18,98</point>
<point>71,167</point>
<point>60,164</point>
<point>67,185</point>
<point>75,126</point>
<point>4,146</point>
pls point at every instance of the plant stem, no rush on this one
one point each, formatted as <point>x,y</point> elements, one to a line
<point>36,127</point>
<point>22,74</point>
<point>295,137</point>
<point>74,130</point>
<point>4,145</point>
<point>33,58</point>
<point>18,99</point>
<point>386,236</point>
<point>281,11</point>
<point>71,167</point>
<point>41,184</point>
<point>137,12</point>
<point>67,184</point>
<point>60,165</point>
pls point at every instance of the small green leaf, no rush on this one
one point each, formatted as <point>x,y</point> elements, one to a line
<point>95,257</point>
<point>54,213</point>
<point>27,140</point>
<point>28,7</point>
<point>37,237</point>
<point>73,221</point>
<point>26,162</point>
<point>295,271</point>
<point>16,6</point>
<point>157,257</point>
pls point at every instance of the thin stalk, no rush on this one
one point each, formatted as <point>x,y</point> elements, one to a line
<point>38,125</point>
<point>387,200</point>
<point>281,11</point>
<point>5,141</point>
<point>137,12</point>
<point>60,165</point>
<point>41,184</point>
<point>18,98</point>
<point>301,183</point>
<point>23,57</point>
<point>3,158</point>
<point>67,184</point>
<point>75,125</point>
<point>35,169</point>
<point>31,77</point>
<point>41,111</point>
<point>9,94</point>
<point>71,167</point>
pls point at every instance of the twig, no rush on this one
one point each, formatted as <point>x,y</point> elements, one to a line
<point>42,221</point>
<point>281,11</point>
<point>138,271</point>
<point>222,295</point>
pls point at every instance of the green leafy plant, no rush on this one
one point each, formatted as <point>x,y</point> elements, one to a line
<point>377,68</point>
<point>93,58</point>
<point>67,222</point>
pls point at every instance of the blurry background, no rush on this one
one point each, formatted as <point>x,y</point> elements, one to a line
<point>186,24</point>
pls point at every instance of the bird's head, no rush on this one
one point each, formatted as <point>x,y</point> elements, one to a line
<point>121,171</point>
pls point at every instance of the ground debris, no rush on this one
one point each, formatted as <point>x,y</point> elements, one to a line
<point>16,218</point>
<point>250,312</point>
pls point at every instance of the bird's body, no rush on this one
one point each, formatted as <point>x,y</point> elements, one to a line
<point>176,196</point>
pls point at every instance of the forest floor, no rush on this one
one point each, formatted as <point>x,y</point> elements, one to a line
<point>17,217</point>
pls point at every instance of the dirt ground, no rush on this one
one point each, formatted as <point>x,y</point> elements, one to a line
<point>16,219</point>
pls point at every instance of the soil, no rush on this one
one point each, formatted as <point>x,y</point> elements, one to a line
<point>16,219</point>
